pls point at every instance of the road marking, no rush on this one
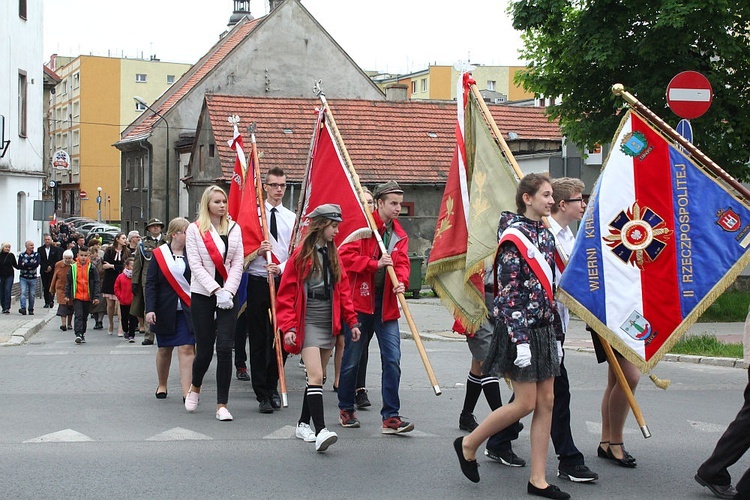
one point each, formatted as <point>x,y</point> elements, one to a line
<point>706,427</point>
<point>179,434</point>
<point>47,353</point>
<point>134,351</point>
<point>66,436</point>
<point>596,428</point>
<point>286,432</point>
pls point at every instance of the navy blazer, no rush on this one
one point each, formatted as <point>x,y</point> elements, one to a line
<point>55,256</point>
<point>162,299</point>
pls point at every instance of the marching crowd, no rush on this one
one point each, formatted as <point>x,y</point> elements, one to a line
<point>184,287</point>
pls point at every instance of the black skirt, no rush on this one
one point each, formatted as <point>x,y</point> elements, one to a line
<point>544,360</point>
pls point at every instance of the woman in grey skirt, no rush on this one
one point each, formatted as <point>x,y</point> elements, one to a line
<point>314,297</point>
<point>525,348</point>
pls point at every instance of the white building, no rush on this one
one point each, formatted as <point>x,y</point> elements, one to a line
<point>21,120</point>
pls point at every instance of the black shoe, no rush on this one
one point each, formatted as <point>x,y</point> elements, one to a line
<point>47,306</point>
<point>361,399</point>
<point>242,374</point>
<point>22,311</point>
<point>265,406</point>
<point>6,311</point>
<point>98,326</point>
<point>147,342</point>
<point>627,459</point>
<point>470,468</point>
<point>275,400</point>
<point>551,491</point>
<point>83,339</point>
<point>505,457</point>
<point>161,395</point>
<point>467,422</point>
<point>31,312</point>
<point>576,473</point>
<point>718,490</point>
<point>79,338</point>
<point>63,328</point>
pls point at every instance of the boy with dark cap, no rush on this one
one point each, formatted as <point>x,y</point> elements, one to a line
<point>375,300</point>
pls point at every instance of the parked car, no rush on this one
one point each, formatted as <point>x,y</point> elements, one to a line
<point>107,238</point>
<point>103,228</point>
<point>85,228</point>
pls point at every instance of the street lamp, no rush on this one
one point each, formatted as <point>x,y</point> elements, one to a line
<point>142,102</point>
<point>99,201</point>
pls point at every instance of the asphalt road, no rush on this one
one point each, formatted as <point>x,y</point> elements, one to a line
<point>81,421</point>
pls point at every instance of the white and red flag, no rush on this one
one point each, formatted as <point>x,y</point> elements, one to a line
<point>329,181</point>
<point>240,170</point>
<point>661,238</point>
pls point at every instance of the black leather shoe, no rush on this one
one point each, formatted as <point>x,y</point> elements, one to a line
<point>265,406</point>
<point>551,491</point>
<point>147,342</point>
<point>275,400</point>
<point>22,311</point>
<point>161,395</point>
<point>470,468</point>
<point>98,326</point>
<point>242,374</point>
<point>718,490</point>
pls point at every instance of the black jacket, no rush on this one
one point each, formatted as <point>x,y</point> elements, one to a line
<point>55,256</point>
<point>162,299</point>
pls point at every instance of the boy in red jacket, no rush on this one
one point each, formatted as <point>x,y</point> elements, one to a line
<point>124,294</point>
<point>375,300</point>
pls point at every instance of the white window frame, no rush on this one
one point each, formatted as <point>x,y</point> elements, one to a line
<point>141,77</point>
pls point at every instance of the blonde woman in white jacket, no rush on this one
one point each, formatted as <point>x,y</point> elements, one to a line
<point>214,248</point>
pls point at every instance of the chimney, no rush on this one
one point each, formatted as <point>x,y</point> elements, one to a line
<point>396,92</point>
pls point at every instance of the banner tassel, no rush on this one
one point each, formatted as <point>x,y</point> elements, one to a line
<point>659,382</point>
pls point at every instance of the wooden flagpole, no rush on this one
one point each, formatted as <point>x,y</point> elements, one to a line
<point>373,227</point>
<point>611,358</point>
<point>271,282</point>
<point>303,190</point>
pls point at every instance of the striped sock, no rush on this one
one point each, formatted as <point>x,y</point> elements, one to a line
<point>315,403</point>
<point>473,390</point>
<point>491,388</point>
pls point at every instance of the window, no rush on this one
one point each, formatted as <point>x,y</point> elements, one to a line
<point>491,84</point>
<point>139,106</point>
<point>76,166</point>
<point>140,77</point>
<point>76,142</point>
<point>142,176</point>
<point>22,104</point>
<point>64,88</point>
<point>76,80</point>
<point>76,111</point>
<point>128,173</point>
<point>22,9</point>
<point>201,156</point>
<point>413,87</point>
<point>423,81</point>
<point>170,79</point>
<point>211,150</point>
<point>407,208</point>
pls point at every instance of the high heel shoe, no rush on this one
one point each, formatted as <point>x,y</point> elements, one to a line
<point>601,452</point>
<point>627,459</point>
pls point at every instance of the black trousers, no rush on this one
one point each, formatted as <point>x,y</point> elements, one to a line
<point>81,315</point>
<point>49,297</point>
<point>729,449</point>
<point>213,326</point>
<point>264,370</point>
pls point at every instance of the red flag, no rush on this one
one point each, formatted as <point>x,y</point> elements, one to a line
<point>329,181</point>
<point>53,222</point>
<point>248,212</point>
<point>240,167</point>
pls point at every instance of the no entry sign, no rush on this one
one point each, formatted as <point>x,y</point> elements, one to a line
<point>689,94</point>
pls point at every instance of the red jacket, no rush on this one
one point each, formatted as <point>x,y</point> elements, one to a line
<point>124,289</point>
<point>360,258</point>
<point>291,304</point>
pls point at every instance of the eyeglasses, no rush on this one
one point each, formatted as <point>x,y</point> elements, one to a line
<point>573,200</point>
<point>275,185</point>
<point>179,232</point>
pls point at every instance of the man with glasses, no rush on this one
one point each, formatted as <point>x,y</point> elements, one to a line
<point>263,367</point>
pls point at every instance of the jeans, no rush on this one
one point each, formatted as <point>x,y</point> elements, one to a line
<point>28,289</point>
<point>389,341</point>
<point>6,285</point>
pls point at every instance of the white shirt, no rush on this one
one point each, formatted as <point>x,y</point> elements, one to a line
<point>564,238</point>
<point>284,226</point>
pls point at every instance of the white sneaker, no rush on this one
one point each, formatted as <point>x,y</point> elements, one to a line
<point>325,439</point>
<point>191,400</point>
<point>223,414</point>
<point>305,433</point>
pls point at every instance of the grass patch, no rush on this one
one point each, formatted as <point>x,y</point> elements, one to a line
<point>707,345</point>
<point>730,307</point>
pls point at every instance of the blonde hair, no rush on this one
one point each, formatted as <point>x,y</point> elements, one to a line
<point>5,244</point>
<point>204,216</point>
<point>564,188</point>
<point>176,224</point>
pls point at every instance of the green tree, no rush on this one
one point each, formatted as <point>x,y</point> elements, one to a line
<point>577,49</point>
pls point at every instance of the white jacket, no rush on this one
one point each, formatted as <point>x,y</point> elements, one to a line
<point>202,267</point>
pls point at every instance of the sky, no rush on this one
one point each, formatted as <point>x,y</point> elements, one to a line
<point>393,36</point>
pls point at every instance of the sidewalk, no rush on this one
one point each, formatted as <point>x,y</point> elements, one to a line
<point>16,329</point>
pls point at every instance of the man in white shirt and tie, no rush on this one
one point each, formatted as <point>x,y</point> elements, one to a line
<point>263,365</point>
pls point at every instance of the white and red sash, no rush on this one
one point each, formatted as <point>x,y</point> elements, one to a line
<point>174,277</point>
<point>211,240</point>
<point>533,257</point>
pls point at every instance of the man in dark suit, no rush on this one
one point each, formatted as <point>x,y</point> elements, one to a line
<point>49,255</point>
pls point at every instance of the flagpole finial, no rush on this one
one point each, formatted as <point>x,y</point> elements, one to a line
<point>317,88</point>
<point>618,88</point>
<point>252,128</point>
<point>464,67</point>
<point>234,120</point>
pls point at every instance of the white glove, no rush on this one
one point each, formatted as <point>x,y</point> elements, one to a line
<point>559,351</point>
<point>224,299</point>
<point>523,356</point>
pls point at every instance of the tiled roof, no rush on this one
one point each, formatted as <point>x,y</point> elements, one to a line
<point>141,127</point>
<point>412,141</point>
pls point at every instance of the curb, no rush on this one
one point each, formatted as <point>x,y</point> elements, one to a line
<point>24,333</point>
